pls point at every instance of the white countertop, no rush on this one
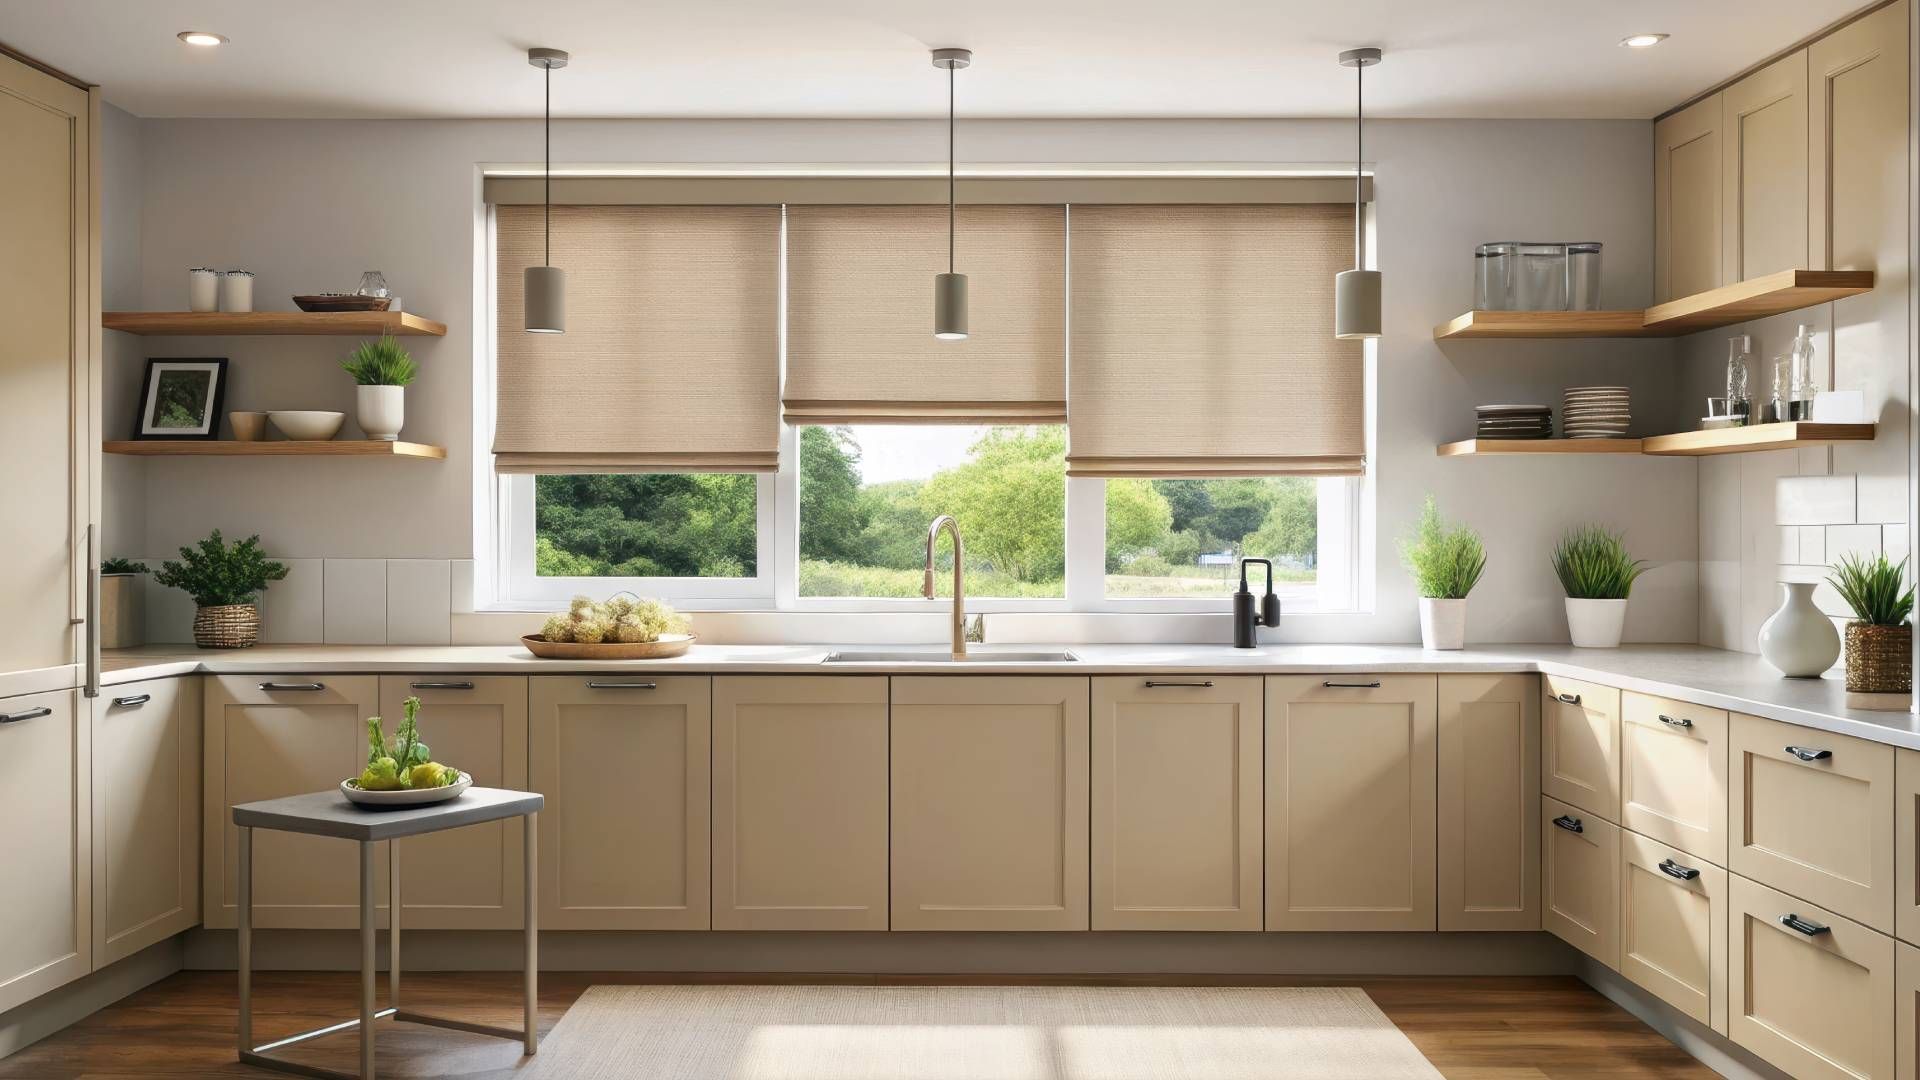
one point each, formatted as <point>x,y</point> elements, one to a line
<point>1716,678</point>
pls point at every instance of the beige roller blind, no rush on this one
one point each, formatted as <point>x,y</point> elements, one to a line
<point>1203,343</point>
<point>860,344</point>
<point>670,362</point>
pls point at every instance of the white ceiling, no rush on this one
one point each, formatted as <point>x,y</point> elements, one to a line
<point>867,58</point>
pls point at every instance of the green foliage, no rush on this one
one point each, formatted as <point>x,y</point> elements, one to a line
<point>1292,523</point>
<point>1446,561</point>
<point>380,363</point>
<point>651,525</point>
<point>847,579</point>
<point>831,515</point>
<point>215,574</point>
<point>1593,564</point>
<point>1872,588</point>
<point>895,534</point>
<point>122,566</point>
<point>1138,516</point>
<point>1010,498</point>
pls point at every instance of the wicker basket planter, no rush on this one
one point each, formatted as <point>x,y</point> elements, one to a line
<point>1879,659</point>
<point>228,626</point>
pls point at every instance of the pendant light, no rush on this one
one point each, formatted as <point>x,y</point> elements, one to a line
<point>1356,292</point>
<point>546,285</point>
<point>950,289</point>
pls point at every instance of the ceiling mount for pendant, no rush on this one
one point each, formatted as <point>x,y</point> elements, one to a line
<point>548,59</point>
<point>545,286</point>
<point>1356,292</point>
<point>952,59</point>
<point>950,288</point>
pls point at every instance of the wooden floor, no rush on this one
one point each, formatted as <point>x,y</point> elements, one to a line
<point>182,1028</point>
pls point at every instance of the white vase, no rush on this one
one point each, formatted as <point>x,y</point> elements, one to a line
<point>1443,623</point>
<point>1798,639</point>
<point>381,411</point>
<point>1596,624</point>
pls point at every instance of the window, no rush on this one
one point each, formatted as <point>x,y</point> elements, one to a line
<point>1185,538</point>
<point>697,525</point>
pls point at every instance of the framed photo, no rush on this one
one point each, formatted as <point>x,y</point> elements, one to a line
<point>181,399</point>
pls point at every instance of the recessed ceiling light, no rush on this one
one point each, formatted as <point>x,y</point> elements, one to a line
<point>202,38</point>
<point>1642,41</point>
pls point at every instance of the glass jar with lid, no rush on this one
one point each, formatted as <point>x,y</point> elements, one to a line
<point>1493,276</point>
<point>1540,277</point>
<point>1583,276</point>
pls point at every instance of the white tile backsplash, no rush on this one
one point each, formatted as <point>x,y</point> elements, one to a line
<point>460,579</point>
<point>1788,550</point>
<point>1896,542</point>
<point>1816,500</point>
<point>1813,543</point>
<point>355,600</point>
<point>169,612</point>
<point>419,608</point>
<point>1860,541</point>
<point>292,609</point>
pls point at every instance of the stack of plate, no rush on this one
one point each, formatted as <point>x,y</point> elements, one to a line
<point>1514,422</point>
<point>1595,412</point>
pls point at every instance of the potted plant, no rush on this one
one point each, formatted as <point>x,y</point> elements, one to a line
<point>225,581</point>
<point>1597,574</point>
<point>1446,563</point>
<point>382,369</point>
<point>121,616</point>
<point>1879,640</point>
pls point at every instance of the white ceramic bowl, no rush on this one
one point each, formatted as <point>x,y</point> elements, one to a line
<point>350,787</point>
<point>306,424</point>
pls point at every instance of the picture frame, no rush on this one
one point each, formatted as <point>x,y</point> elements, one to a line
<point>181,398</point>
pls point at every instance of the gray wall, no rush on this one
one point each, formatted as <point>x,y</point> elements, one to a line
<point>307,205</point>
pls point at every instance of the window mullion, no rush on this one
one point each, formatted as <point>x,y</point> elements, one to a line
<point>1086,586</point>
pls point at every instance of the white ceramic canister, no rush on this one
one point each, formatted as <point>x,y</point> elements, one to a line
<point>236,290</point>
<point>203,289</point>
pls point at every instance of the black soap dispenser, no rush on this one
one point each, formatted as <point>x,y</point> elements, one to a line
<point>1245,619</point>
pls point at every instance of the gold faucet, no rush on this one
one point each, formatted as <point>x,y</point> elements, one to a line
<point>945,521</point>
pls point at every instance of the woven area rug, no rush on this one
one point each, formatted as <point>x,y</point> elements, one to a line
<point>976,1033</point>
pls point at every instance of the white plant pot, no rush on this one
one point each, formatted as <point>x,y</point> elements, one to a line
<point>1798,639</point>
<point>381,411</point>
<point>1596,624</point>
<point>1443,623</point>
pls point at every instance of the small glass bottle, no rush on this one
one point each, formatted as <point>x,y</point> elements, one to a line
<point>1800,376</point>
<point>1780,406</point>
<point>1739,399</point>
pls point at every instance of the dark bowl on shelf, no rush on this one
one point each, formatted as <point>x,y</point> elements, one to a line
<point>341,302</point>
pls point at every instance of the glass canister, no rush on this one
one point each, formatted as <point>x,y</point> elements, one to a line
<point>1493,276</point>
<point>1540,277</point>
<point>1583,276</point>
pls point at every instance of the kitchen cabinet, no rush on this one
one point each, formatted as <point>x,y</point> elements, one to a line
<point>1351,771</point>
<point>990,802</point>
<point>1176,803</point>
<point>625,762</point>
<point>1811,991</point>
<point>1857,142</point>
<point>268,736</point>
<point>1489,802</point>
<point>1906,848</point>
<point>799,802</point>
<point>1812,815</point>
<point>471,878</point>
<point>1673,927</point>
<point>1580,880</point>
<point>1673,774</point>
<point>46,890</point>
<point>1906,1011</point>
<point>146,814</point>
<point>1580,744</point>
<point>1688,201</point>
<point>1764,140</point>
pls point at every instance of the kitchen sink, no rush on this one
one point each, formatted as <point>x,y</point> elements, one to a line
<point>928,656</point>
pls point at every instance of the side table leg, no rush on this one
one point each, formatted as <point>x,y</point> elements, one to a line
<point>393,924</point>
<point>531,829</point>
<point>367,960</point>
<point>245,873</point>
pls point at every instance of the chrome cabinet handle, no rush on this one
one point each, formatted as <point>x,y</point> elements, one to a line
<point>1154,685</point>
<point>91,688</point>
<point>1567,699</point>
<point>440,686</point>
<point>131,700</point>
<point>1675,870</point>
<point>25,714</point>
<point>303,686</point>
<point>1675,721</point>
<point>1807,753</point>
<point>1570,823</point>
<point>1795,922</point>
<point>621,686</point>
<point>1374,685</point>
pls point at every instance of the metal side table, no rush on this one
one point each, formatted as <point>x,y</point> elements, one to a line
<point>328,813</point>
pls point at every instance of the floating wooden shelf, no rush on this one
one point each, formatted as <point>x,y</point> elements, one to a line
<point>1740,440</point>
<point>274,448</point>
<point>1491,447</point>
<point>1787,290</point>
<point>276,323</point>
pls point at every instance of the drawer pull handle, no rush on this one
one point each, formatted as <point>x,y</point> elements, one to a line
<point>621,686</point>
<point>1153,684</point>
<point>1567,699</point>
<point>1675,721</point>
<point>131,700</point>
<point>440,686</point>
<point>1570,823</point>
<point>1675,870</point>
<point>305,687</point>
<point>1795,922</point>
<point>1806,753</point>
<point>25,714</point>
<point>1331,685</point>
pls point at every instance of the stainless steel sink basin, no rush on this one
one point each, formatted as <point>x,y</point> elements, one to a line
<point>928,656</point>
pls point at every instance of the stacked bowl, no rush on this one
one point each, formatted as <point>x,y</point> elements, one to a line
<point>1595,412</point>
<point>1514,422</point>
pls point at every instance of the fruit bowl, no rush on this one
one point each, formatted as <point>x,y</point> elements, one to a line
<point>407,797</point>
<point>667,646</point>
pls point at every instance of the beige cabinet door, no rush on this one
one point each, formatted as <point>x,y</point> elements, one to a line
<point>1906,848</point>
<point>989,802</point>
<point>469,878</point>
<point>625,762</point>
<point>1906,1011</point>
<point>46,887</point>
<point>1812,815</point>
<point>799,802</point>
<point>1176,803</point>
<point>269,736</point>
<point>146,814</point>
<point>1810,991</point>
<point>1688,201</point>
<point>1580,880</point>
<point>1352,766</point>
<point>1764,140</point>
<point>1857,135</point>
<point>1489,794</point>
<point>1673,774</point>
<point>1673,927</point>
<point>1580,744</point>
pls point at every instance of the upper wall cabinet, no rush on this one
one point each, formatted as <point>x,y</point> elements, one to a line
<point>1857,89</point>
<point>1764,141</point>
<point>1688,197</point>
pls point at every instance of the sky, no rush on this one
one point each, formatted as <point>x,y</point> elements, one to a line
<point>911,451</point>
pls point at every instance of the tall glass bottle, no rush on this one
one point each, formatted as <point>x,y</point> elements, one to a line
<point>1800,377</point>
<point>1739,399</point>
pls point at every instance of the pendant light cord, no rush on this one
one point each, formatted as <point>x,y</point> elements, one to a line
<point>546,172</point>
<point>1359,155</point>
<point>950,218</point>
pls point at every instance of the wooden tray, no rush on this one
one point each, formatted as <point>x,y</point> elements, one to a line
<point>342,302</point>
<point>668,645</point>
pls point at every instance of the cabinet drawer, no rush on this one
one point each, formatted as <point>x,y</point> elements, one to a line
<point>1580,875</point>
<point>1810,991</point>
<point>1580,745</point>
<point>1812,815</point>
<point>1673,774</point>
<point>1673,927</point>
